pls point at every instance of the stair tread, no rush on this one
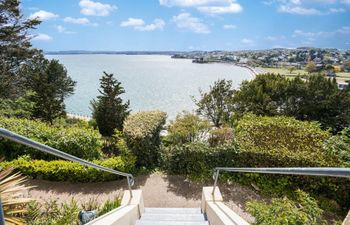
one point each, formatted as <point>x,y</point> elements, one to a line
<point>172,217</point>
<point>152,222</point>
<point>174,210</point>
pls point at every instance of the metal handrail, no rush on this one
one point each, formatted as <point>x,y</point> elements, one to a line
<point>312,171</point>
<point>52,151</point>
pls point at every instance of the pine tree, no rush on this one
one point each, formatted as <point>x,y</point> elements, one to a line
<point>51,85</point>
<point>108,110</point>
<point>15,47</point>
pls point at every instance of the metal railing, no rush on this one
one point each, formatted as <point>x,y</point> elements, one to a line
<point>47,149</point>
<point>310,171</point>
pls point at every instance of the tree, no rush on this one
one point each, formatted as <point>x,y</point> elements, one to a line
<point>49,81</point>
<point>291,69</point>
<point>311,67</point>
<point>15,47</point>
<point>346,66</point>
<point>187,127</point>
<point>216,104</point>
<point>317,99</point>
<point>108,110</point>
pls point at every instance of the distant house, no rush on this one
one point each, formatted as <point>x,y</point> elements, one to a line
<point>343,85</point>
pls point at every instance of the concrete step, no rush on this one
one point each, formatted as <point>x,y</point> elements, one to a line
<point>144,222</point>
<point>173,210</point>
<point>172,217</point>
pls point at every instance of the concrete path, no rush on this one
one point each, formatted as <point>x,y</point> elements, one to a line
<point>159,190</point>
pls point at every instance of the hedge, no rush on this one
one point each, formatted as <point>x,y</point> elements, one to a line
<point>142,134</point>
<point>198,159</point>
<point>282,141</point>
<point>85,143</point>
<point>60,170</point>
<point>287,142</point>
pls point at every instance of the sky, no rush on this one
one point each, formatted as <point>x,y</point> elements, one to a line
<point>188,25</point>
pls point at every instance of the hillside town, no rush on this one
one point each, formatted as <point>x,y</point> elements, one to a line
<point>277,57</point>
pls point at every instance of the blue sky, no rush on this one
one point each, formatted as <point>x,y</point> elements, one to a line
<point>187,25</point>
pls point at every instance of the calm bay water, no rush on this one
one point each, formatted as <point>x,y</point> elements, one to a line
<point>151,81</point>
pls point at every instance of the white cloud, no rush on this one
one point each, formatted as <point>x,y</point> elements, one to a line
<point>229,26</point>
<point>63,30</point>
<point>139,24</point>
<point>81,21</point>
<point>298,10</point>
<point>158,24</point>
<point>186,22</point>
<point>307,34</point>
<point>336,10</point>
<point>247,41</point>
<point>275,38</point>
<point>232,8</point>
<point>309,7</point>
<point>43,15</point>
<point>206,6</point>
<point>91,8</point>
<point>344,30</point>
<point>132,22</point>
<point>192,3</point>
<point>41,37</point>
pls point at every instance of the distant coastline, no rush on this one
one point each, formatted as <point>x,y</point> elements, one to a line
<point>83,52</point>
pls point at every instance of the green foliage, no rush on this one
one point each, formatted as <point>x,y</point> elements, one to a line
<point>108,110</point>
<point>216,104</point>
<point>311,67</point>
<point>81,142</point>
<point>53,213</point>
<point>15,48</point>
<point>198,159</point>
<point>283,211</point>
<point>287,142</point>
<point>142,135</point>
<point>60,170</point>
<point>187,127</point>
<point>109,205</point>
<point>317,99</point>
<point>346,65</point>
<point>21,107</point>
<point>282,141</point>
<point>339,146</point>
<point>49,81</point>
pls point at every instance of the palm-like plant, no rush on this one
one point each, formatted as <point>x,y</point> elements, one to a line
<point>11,194</point>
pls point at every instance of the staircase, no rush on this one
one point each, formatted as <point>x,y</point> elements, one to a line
<point>172,216</point>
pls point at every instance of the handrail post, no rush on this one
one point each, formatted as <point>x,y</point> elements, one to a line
<point>129,185</point>
<point>216,177</point>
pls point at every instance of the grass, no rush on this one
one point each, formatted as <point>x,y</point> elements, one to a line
<point>285,71</point>
<point>341,76</point>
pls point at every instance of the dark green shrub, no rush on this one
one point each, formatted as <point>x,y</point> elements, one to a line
<point>339,146</point>
<point>142,134</point>
<point>198,159</point>
<point>81,142</point>
<point>60,170</point>
<point>283,211</point>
